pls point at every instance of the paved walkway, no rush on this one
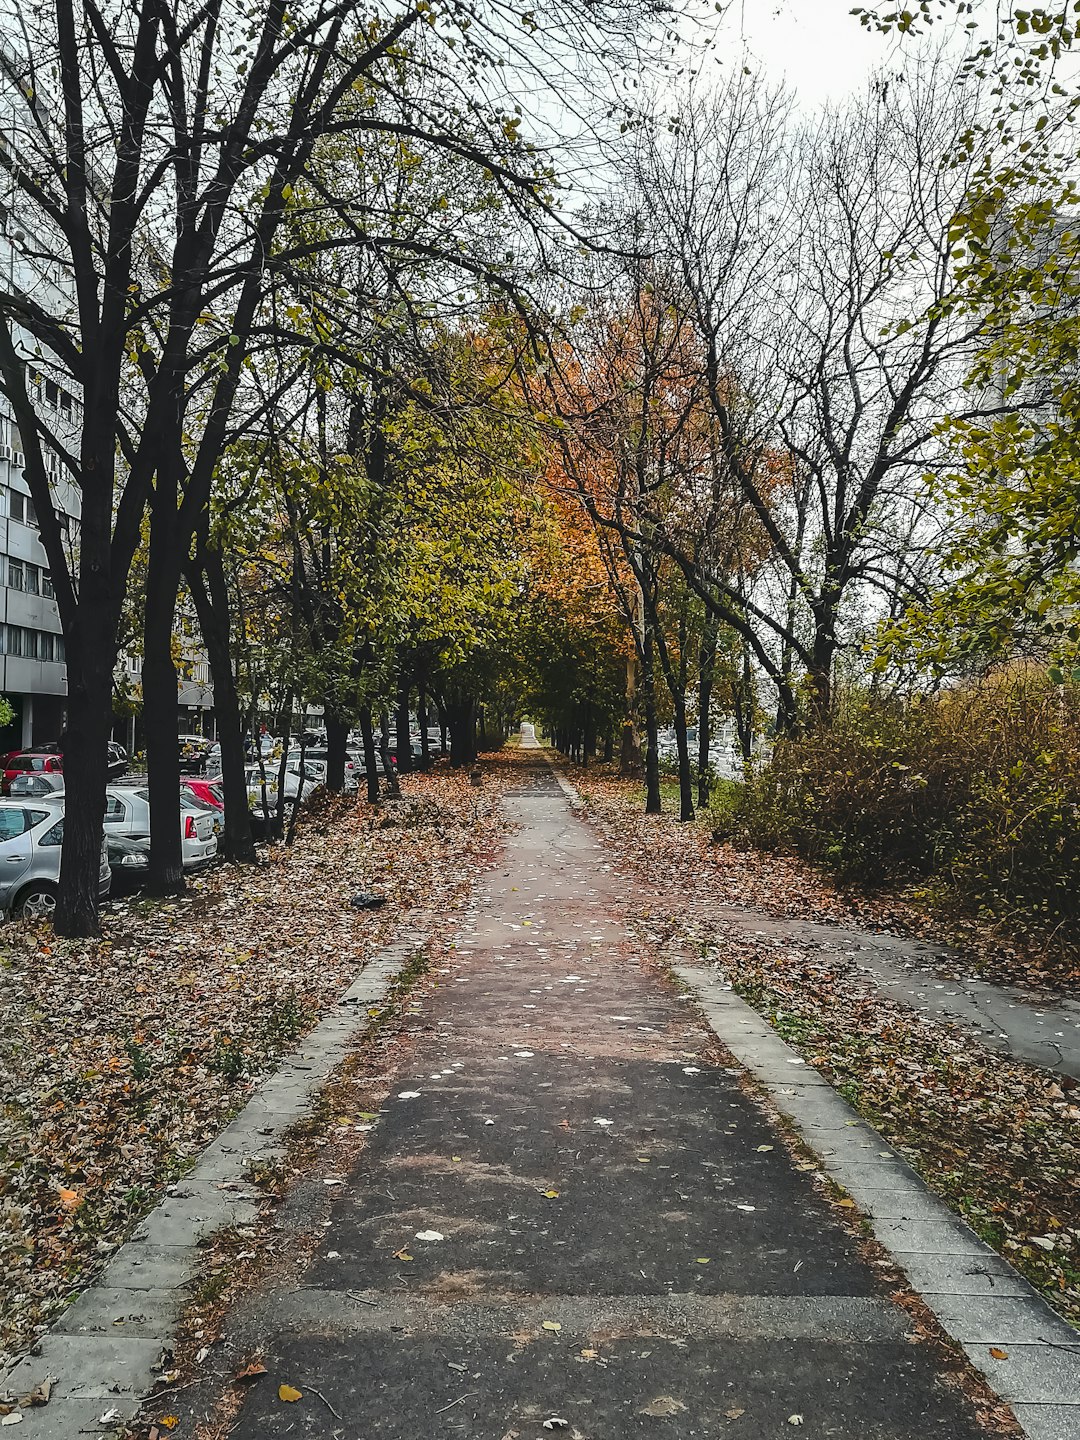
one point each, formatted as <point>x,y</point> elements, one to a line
<point>1005,1018</point>
<point>571,1217</point>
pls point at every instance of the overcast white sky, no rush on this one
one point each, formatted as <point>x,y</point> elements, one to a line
<point>818,46</point>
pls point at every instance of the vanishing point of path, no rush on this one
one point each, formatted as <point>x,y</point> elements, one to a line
<point>608,1238</point>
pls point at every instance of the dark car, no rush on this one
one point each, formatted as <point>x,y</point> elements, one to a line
<point>117,755</point>
<point>129,861</point>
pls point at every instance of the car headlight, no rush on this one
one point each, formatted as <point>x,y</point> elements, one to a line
<point>134,860</point>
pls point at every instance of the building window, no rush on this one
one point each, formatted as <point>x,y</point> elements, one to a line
<point>47,586</point>
<point>14,640</point>
<point>59,652</point>
<point>45,646</point>
<point>16,577</point>
<point>22,508</point>
<point>33,586</point>
<point>30,644</point>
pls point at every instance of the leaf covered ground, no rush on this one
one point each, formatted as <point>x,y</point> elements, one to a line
<point>120,1058</point>
<point>1000,1140</point>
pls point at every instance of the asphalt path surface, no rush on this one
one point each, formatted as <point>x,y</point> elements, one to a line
<point>573,1217</point>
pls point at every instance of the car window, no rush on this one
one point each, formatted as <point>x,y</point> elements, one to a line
<point>218,793</point>
<point>143,794</point>
<point>191,801</point>
<point>114,809</point>
<point>55,836</point>
<point>13,823</point>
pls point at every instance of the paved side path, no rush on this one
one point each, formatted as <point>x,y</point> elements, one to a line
<point>571,1218</point>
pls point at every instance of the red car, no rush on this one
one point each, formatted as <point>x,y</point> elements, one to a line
<point>208,790</point>
<point>28,762</point>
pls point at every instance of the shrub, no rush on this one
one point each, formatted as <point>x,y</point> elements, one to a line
<point>975,791</point>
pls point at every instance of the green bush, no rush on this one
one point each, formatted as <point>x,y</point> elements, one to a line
<point>976,792</point>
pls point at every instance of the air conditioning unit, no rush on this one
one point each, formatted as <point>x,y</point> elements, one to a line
<point>5,452</point>
<point>18,458</point>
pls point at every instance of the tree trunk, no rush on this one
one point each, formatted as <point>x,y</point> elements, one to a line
<point>706,676</point>
<point>90,677</point>
<point>609,746</point>
<point>166,873</point>
<point>393,789</point>
<point>686,775</point>
<point>337,742</point>
<point>744,707</point>
<point>209,592</point>
<point>652,757</point>
<point>371,757</point>
<point>404,739</point>
<point>422,721</point>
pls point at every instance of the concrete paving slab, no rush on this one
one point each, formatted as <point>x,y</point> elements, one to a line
<point>1049,1422</point>
<point>1004,1321</point>
<point>1032,1374</point>
<point>928,1237</point>
<point>85,1367</point>
<point>149,1314</point>
<point>140,1266</point>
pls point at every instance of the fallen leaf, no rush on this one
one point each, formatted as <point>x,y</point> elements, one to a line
<point>846,1204</point>
<point>402,1255</point>
<point>702,1260</point>
<point>794,1419</point>
<point>998,1354</point>
<point>662,1407</point>
<point>70,1199</point>
<point>289,1393</point>
<point>169,1421</point>
<point>552,1325</point>
<point>763,1148</point>
<point>251,1372</point>
<point>734,1414</point>
<point>551,1194</point>
<point>429,1235</point>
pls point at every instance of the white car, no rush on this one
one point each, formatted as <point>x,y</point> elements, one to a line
<point>31,836</point>
<point>127,812</point>
<point>293,784</point>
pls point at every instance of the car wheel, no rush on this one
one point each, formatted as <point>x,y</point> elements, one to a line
<point>37,902</point>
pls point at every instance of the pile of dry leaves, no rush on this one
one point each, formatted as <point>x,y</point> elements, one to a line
<point>121,1057</point>
<point>998,1139</point>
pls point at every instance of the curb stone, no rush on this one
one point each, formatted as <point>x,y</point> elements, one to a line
<point>977,1297</point>
<point>103,1352</point>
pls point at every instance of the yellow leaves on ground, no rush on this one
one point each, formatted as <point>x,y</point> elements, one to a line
<point>289,1393</point>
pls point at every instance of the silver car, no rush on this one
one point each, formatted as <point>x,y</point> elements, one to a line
<point>127,812</point>
<point>39,784</point>
<point>31,836</point>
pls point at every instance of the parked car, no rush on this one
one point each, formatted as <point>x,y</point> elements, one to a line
<point>207,790</point>
<point>293,784</point>
<point>37,782</point>
<point>117,756</point>
<point>29,762</point>
<point>127,812</point>
<point>319,757</point>
<point>129,861</point>
<point>31,836</point>
<point>193,752</point>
